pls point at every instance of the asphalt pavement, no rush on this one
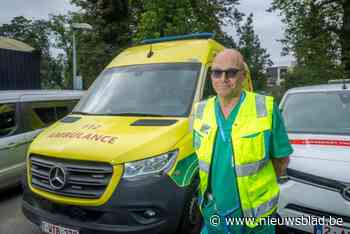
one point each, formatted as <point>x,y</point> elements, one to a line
<point>12,221</point>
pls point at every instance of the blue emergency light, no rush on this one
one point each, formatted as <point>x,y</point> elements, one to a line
<point>204,35</point>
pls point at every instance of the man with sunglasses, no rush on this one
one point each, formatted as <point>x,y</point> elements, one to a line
<point>242,146</point>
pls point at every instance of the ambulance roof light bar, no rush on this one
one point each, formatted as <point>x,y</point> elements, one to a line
<point>204,35</point>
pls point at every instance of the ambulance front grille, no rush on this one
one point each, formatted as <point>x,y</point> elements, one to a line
<point>80,179</point>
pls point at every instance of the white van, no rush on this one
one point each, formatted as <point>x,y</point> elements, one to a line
<point>23,114</point>
<point>318,183</point>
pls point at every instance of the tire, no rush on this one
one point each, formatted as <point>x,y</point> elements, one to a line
<point>191,220</point>
<point>282,229</point>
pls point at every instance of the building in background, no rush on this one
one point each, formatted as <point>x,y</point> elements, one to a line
<point>275,74</point>
<point>19,65</point>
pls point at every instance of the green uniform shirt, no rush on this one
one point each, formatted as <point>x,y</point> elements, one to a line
<point>223,184</point>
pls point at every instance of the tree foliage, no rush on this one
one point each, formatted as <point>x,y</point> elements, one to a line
<point>254,55</point>
<point>111,22</point>
<point>119,23</point>
<point>156,18</point>
<point>317,34</point>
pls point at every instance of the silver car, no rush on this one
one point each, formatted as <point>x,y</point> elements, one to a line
<point>23,115</point>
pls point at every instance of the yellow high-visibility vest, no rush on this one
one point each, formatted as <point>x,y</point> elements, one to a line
<point>256,178</point>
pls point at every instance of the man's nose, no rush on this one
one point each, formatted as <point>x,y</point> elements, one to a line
<point>224,76</point>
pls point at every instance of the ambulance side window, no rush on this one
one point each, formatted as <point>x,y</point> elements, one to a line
<point>208,87</point>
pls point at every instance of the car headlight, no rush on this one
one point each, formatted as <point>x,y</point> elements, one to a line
<point>155,165</point>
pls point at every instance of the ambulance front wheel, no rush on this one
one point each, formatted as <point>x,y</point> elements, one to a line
<point>191,220</point>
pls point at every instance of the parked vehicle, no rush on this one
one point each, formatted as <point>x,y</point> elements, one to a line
<point>123,161</point>
<point>318,184</point>
<point>23,114</point>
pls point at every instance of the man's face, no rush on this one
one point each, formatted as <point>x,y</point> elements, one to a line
<point>227,84</point>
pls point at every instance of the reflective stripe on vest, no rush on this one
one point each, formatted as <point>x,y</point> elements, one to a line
<point>204,166</point>
<point>260,106</point>
<point>251,168</point>
<point>262,209</point>
<point>241,170</point>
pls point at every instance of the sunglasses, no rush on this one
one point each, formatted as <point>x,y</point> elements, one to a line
<point>229,73</point>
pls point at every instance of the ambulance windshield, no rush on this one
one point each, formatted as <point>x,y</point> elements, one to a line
<point>143,90</point>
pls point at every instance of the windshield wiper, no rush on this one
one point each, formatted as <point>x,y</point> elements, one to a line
<point>80,113</point>
<point>119,114</point>
<point>137,114</point>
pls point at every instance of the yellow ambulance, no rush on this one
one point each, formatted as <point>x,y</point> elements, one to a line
<point>123,161</point>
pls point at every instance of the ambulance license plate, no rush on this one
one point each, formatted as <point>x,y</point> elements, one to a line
<point>328,229</point>
<point>55,229</point>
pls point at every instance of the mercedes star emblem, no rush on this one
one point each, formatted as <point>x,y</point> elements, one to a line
<point>57,177</point>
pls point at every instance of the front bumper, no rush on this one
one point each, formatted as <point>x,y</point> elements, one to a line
<point>127,211</point>
<point>298,199</point>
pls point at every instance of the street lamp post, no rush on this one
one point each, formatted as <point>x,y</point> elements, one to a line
<point>81,26</point>
<point>74,60</point>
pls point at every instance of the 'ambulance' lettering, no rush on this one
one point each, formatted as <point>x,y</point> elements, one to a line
<point>84,136</point>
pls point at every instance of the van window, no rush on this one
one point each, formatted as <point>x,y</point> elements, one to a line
<point>42,114</point>
<point>46,114</point>
<point>144,90</point>
<point>208,87</point>
<point>330,112</point>
<point>61,111</point>
<point>7,119</point>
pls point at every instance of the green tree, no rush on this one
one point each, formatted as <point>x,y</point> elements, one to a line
<point>255,56</point>
<point>34,33</point>
<point>118,23</point>
<point>112,24</point>
<point>61,37</point>
<point>157,18</point>
<point>317,34</point>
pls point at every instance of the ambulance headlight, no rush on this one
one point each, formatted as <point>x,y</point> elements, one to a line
<point>156,166</point>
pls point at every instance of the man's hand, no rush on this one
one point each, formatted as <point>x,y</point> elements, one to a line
<point>280,165</point>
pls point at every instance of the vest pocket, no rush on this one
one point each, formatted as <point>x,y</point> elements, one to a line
<point>252,144</point>
<point>261,185</point>
<point>252,135</point>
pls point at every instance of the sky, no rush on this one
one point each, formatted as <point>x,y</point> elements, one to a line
<point>268,26</point>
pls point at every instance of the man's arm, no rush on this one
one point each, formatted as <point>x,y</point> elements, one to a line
<point>280,147</point>
<point>280,165</point>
